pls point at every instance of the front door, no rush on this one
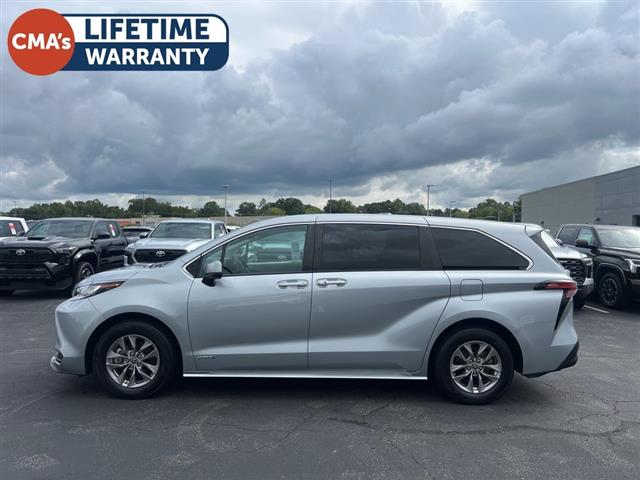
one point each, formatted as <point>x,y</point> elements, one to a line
<point>256,317</point>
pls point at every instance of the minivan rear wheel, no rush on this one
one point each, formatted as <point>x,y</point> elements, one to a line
<point>473,366</point>
<point>134,359</point>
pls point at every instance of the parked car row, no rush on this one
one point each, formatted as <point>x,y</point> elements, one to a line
<point>57,253</point>
<point>60,252</point>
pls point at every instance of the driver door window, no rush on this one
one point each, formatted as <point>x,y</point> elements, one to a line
<point>273,251</point>
<point>587,234</point>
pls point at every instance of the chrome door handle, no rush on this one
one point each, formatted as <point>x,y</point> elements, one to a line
<point>293,284</point>
<point>325,282</point>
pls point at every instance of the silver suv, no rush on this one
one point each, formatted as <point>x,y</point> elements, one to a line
<point>462,302</point>
<point>173,238</point>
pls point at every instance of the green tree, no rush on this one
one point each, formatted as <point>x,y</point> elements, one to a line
<point>312,209</point>
<point>341,205</point>
<point>291,205</point>
<point>273,211</point>
<point>211,209</point>
<point>247,209</point>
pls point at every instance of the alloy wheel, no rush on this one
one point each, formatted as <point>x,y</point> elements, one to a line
<point>132,361</point>
<point>475,367</point>
<point>86,272</point>
<point>609,291</point>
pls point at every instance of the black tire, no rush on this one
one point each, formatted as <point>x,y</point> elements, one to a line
<point>81,270</point>
<point>440,371</point>
<point>167,366</point>
<point>579,302</point>
<point>611,291</point>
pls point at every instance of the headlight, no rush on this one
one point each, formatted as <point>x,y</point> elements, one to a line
<point>588,261</point>
<point>89,290</point>
<point>634,264</point>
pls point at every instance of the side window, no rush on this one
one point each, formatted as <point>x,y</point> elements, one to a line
<point>276,250</point>
<point>587,234</point>
<point>354,247</point>
<point>102,228</point>
<point>471,250</point>
<point>114,229</point>
<point>568,235</point>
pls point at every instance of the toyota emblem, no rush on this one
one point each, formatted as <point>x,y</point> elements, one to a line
<point>160,253</point>
<point>20,252</point>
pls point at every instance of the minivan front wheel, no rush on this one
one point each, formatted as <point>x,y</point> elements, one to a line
<point>473,366</point>
<point>134,359</point>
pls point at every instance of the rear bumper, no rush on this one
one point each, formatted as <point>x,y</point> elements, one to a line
<point>569,361</point>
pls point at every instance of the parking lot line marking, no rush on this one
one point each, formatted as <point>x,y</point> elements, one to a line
<point>596,309</point>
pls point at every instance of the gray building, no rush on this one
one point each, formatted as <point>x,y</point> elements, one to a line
<point>613,198</point>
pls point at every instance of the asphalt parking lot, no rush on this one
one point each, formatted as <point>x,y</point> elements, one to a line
<point>581,423</point>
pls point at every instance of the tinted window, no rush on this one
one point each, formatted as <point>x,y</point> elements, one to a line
<point>109,228</point>
<point>348,247</point>
<point>620,237</point>
<point>10,228</point>
<point>470,250</point>
<point>587,235</point>
<point>568,235</point>
<point>62,228</point>
<point>275,250</point>
<point>182,230</point>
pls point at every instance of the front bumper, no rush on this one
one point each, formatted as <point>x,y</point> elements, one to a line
<point>586,288</point>
<point>35,276</point>
<point>75,320</point>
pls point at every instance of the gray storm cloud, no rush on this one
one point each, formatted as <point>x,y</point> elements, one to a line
<point>383,92</point>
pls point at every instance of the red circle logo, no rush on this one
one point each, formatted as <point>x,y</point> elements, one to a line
<point>41,41</point>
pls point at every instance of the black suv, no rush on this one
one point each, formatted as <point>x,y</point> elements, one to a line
<point>57,253</point>
<point>615,251</point>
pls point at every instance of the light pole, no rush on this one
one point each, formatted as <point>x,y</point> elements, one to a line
<point>226,190</point>
<point>143,221</point>
<point>428,195</point>
<point>451,202</point>
<point>330,193</point>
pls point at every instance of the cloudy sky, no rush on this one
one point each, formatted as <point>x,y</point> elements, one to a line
<point>483,99</point>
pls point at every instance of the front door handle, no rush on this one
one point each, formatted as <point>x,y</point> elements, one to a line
<point>293,284</point>
<point>325,282</point>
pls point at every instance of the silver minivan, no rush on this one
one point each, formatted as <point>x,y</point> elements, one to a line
<point>464,303</point>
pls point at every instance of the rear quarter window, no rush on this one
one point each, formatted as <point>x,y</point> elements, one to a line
<point>471,250</point>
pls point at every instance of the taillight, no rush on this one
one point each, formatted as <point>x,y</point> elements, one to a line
<point>569,287</point>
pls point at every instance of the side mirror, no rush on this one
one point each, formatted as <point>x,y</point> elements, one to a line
<point>144,235</point>
<point>212,272</point>
<point>103,236</point>
<point>580,243</point>
<point>559,242</point>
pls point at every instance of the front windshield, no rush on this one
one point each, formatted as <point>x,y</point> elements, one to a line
<point>619,237</point>
<point>548,240</point>
<point>182,230</point>
<point>62,228</point>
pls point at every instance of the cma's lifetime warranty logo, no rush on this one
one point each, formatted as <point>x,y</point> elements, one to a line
<point>42,42</point>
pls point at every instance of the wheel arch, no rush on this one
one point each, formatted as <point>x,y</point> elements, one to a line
<point>605,268</point>
<point>122,317</point>
<point>491,325</point>
<point>86,256</point>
